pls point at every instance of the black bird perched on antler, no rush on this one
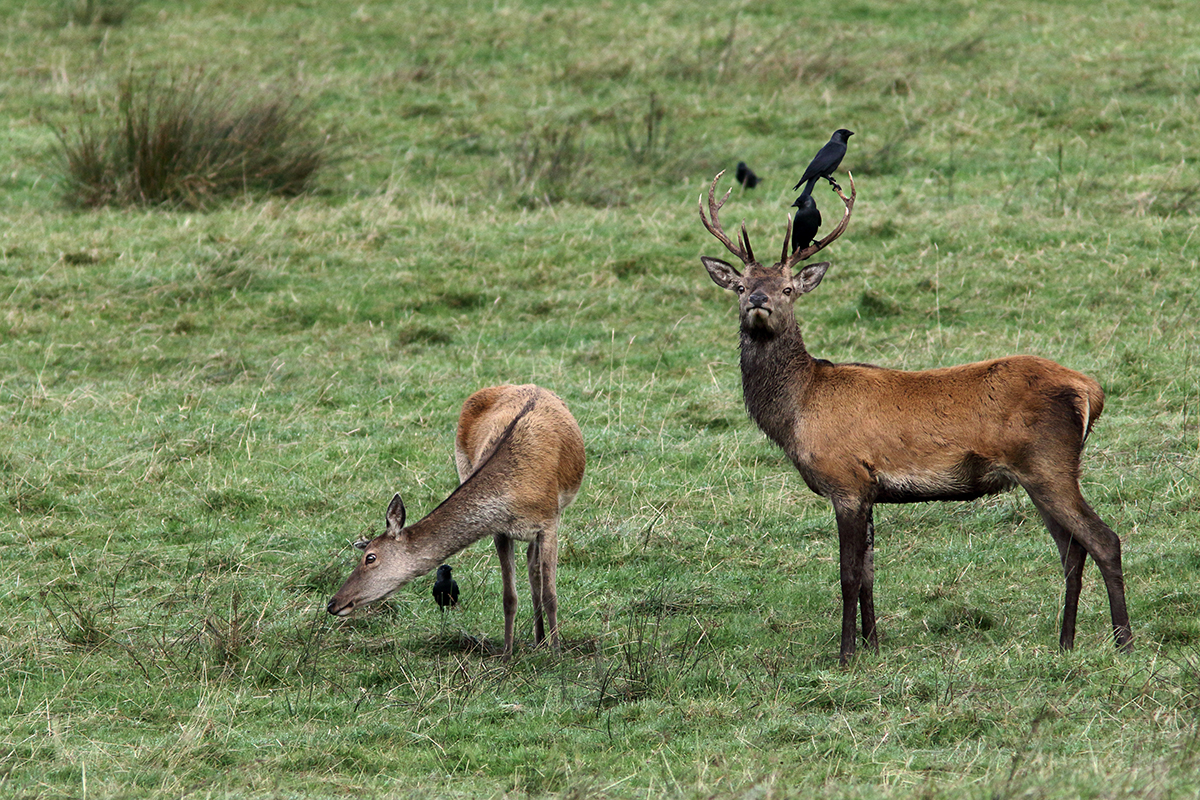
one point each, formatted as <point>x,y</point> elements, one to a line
<point>445,588</point>
<point>745,176</point>
<point>807,222</point>
<point>827,159</point>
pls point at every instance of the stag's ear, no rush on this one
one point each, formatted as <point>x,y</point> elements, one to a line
<point>722,273</point>
<point>809,277</point>
<point>394,520</point>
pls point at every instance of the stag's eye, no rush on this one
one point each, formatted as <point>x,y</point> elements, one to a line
<point>787,290</point>
<point>740,289</point>
<point>370,558</point>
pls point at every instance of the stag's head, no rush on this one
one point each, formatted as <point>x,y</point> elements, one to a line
<point>766,295</point>
<point>387,563</point>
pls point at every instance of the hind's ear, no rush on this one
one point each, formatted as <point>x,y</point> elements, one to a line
<point>394,519</point>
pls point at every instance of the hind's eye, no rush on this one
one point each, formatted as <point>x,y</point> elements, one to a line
<point>370,559</point>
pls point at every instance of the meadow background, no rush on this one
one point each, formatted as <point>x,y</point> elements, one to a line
<point>201,408</point>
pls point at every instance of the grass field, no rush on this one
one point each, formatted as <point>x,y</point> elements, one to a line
<point>201,410</point>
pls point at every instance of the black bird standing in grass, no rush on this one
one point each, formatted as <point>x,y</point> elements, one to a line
<point>825,162</point>
<point>746,176</point>
<point>445,588</point>
<point>808,220</point>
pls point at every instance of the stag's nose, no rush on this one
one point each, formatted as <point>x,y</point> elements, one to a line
<point>758,300</point>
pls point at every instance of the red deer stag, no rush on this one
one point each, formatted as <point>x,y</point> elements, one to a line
<point>520,457</point>
<point>861,434</point>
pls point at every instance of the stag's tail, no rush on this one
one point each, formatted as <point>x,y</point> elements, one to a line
<point>1090,404</point>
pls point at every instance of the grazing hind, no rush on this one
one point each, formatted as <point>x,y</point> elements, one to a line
<point>520,457</point>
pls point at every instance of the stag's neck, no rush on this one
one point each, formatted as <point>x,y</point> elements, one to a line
<point>463,518</point>
<point>776,372</point>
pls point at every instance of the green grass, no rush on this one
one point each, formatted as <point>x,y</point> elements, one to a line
<point>199,412</point>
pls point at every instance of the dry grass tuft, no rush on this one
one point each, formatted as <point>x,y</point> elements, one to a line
<point>189,142</point>
<point>107,13</point>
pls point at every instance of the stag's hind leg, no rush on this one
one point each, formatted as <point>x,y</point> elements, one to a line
<point>1073,556</point>
<point>1079,532</point>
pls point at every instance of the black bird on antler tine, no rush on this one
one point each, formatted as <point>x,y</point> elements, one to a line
<point>445,588</point>
<point>807,222</point>
<point>745,176</point>
<point>827,159</point>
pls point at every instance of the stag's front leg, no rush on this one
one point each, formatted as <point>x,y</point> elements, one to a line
<point>852,523</point>
<point>866,592</point>
<point>508,582</point>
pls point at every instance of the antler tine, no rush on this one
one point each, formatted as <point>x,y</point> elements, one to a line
<point>810,251</point>
<point>714,227</point>
<point>787,238</point>
<point>746,243</point>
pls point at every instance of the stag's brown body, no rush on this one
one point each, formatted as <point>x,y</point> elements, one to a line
<point>861,434</point>
<point>520,458</point>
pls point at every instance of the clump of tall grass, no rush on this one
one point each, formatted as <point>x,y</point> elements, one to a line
<point>565,160</point>
<point>189,142</point>
<point>549,164</point>
<point>80,624</point>
<point>109,13</point>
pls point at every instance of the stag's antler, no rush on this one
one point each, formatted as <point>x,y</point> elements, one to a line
<point>789,260</point>
<point>741,250</point>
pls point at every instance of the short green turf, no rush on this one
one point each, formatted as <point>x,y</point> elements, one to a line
<point>201,411</point>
